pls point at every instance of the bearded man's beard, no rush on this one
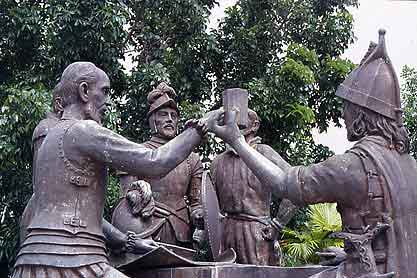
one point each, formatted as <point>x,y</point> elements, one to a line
<point>92,113</point>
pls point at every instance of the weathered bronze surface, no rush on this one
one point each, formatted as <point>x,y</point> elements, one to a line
<point>64,235</point>
<point>134,213</point>
<point>176,195</point>
<point>167,255</point>
<point>229,271</point>
<point>245,203</point>
<point>65,228</point>
<point>212,216</point>
<point>39,134</point>
<point>237,98</point>
<point>373,183</point>
<point>374,84</point>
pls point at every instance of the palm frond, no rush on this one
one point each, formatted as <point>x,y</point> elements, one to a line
<point>324,217</point>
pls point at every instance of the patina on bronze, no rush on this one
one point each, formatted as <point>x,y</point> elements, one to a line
<point>176,195</point>
<point>248,227</point>
<point>237,98</point>
<point>114,238</point>
<point>212,216</point>
<point>65,232</point>
<point>373,183</point>
<point>39,134</point>
<point>135,211</point>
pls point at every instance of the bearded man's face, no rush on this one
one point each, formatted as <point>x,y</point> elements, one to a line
<point>166,122</point>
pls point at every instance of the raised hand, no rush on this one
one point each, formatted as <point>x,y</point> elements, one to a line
<point>223,124</point>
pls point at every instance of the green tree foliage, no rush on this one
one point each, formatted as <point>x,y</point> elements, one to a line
<point>284,52</point>
<point>170,43</point>
<point>300,246</point>
<point>38,39</point>
<point>409,95</point>
<point>21,109</point>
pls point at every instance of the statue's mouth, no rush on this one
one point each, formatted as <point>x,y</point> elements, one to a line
<point>169,126</point>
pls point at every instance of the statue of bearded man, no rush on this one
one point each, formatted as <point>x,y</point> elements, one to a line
<point>177,195</point>
<point>64,236</point>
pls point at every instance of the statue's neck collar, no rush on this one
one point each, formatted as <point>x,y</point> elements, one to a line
<point>159,140</point>
<point>252,142</point>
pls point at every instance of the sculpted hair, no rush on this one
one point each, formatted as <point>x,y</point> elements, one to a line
<point>71,78</point>
<point>368,122</point>
<point>253,116</point>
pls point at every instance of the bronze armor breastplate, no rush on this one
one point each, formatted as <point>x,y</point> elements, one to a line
<point>67,197</point>
<point>172,189</point>
<point>372,211</point>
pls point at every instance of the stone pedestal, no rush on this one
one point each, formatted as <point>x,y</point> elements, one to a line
<point>229,271</point>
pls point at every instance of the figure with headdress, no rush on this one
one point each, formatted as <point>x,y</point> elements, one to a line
<point>373,183</point>
<point>176,195</point>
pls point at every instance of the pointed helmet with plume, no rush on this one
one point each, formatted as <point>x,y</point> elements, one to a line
<point>162,96</point>
<point>374,84</point>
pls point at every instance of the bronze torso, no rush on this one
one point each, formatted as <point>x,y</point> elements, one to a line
<point>371,183</point>
<point>38,136</point>
<point>245,202</point>
<point>238,190</point>
<point>176,195</point>
<point>69,202</point>
<point>176,189</point>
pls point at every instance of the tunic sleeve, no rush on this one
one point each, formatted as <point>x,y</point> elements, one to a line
<point>273,156</point>
<point>115,151</point>
<point>195,181</point>
<point>340,178</point>
<point>286,209</point>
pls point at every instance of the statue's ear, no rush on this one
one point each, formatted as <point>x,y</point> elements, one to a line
<point>255,126</point>
<point>83,91</point>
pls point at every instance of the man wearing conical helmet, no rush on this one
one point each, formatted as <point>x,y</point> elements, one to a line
<point>373,183</point>
<point>176,195</point>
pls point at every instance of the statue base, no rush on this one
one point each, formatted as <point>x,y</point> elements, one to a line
<point>228,271</point>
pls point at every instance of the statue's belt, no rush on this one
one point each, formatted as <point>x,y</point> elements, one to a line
<point>265,220</point>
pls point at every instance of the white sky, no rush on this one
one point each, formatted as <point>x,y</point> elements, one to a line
<point>398,18</point>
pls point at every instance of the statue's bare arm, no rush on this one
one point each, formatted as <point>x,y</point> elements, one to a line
<point>106,146</point>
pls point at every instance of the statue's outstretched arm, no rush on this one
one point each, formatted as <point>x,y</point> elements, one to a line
<point>106,146</point>
<point>267,172</point>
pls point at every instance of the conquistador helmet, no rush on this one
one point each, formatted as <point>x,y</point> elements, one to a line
<point>162,96</point>
<point>374,84</point>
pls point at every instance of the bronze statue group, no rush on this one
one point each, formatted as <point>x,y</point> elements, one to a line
<point>63,233</point>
